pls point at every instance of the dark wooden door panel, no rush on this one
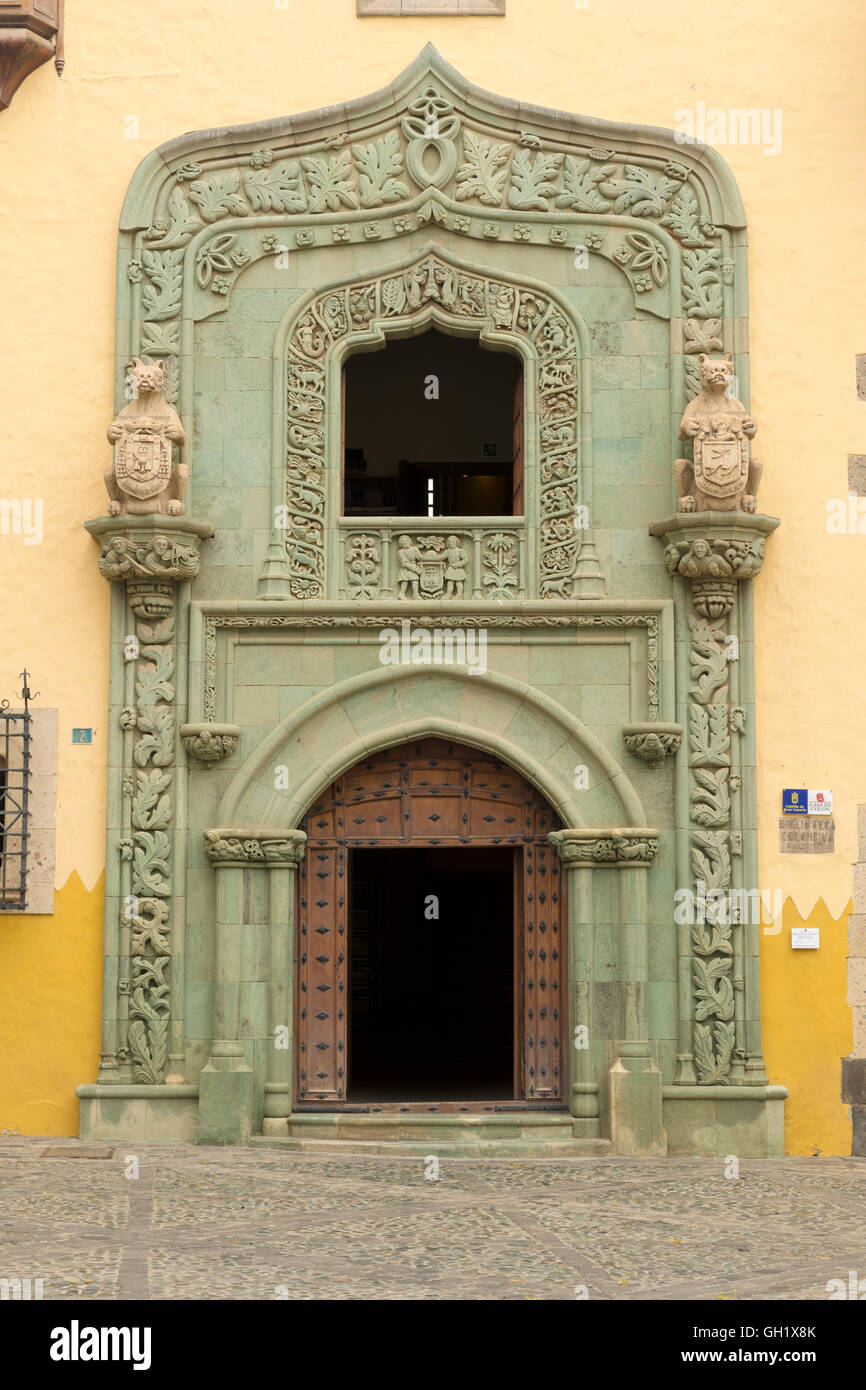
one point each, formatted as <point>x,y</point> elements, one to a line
<point>322,975</point>
<point>437,794</point>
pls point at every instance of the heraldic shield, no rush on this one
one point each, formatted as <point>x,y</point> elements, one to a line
<point>721,465</point>
<point>142,459</point>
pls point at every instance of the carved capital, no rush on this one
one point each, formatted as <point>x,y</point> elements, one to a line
<point>653,742</point>
<point>209,743</point>
<point>715,551</point>
<point>267,847</point>
<point>139,549</point>
<point>611,848</point>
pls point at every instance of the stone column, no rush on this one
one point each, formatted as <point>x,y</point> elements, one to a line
<point>635,1080</point>
<point>154,557</point>
<point>713,557</point>
<point>284,857</point>
<point>252,994</point>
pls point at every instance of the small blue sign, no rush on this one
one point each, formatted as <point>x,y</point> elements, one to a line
<point>82,735</point>
<point>795,801</point>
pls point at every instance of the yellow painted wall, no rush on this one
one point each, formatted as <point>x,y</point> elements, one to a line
<point>65,163</point>
<point>806,1029</point>
<point>51,1011</point>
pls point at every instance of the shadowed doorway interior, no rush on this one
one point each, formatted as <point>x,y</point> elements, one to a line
<point>432,963</point>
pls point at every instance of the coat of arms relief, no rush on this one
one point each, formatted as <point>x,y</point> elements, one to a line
<point>143,478</point>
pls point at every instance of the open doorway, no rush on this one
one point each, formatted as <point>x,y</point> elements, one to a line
<point>433,427</point>
<point>432,975</point>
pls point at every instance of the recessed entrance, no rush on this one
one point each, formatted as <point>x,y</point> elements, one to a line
<point>431,976</point>
<point>395,1007</point>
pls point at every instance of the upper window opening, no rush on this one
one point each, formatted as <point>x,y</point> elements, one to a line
<point>433,427</point>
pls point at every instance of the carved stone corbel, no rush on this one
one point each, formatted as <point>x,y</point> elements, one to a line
<point>652,742</point>
<point>209,743</point>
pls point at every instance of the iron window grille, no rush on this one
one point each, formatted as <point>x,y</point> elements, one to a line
<point>14,800</point>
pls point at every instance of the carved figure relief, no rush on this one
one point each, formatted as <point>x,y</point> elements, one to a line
<point>721,477</point>
<point>355,308</point>
<point>143,478</point>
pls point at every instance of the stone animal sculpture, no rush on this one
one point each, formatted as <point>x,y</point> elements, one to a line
<point>143,478</point>
<point>721,477</point>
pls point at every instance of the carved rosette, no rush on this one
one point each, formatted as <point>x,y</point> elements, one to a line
<point>653,742</point>
<point>262,847</point>
<point>152,554</point>
<point>714,554</point>
<point>209,743</point>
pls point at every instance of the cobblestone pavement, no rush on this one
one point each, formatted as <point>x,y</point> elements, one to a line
<point>212,1223</point>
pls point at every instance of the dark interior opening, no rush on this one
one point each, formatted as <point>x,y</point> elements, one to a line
<point>433,427</point>
<point>431,1008</point>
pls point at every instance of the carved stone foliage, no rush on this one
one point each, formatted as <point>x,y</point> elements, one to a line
<point>263,848</point>
<point>152,554</point>
<point>613,847</point>
<point>710,803</point>
<point>151,812</point>
<point>420,160</point>
<point>331,319</point>
<point>714,554</point>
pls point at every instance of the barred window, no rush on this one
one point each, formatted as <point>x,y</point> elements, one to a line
<point>14,798</point>
<point>28,805</point>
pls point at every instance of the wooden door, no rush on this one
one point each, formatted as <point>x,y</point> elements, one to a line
<point>429,793</point>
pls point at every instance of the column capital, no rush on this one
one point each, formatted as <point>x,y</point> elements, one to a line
<point>268,847</point>
<point>161,549</point>
<point>714,550</point>
<point>621,848</point>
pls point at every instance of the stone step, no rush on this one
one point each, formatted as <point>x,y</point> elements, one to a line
<point>525,1134</point>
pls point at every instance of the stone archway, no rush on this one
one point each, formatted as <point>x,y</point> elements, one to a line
<point>430,793</point>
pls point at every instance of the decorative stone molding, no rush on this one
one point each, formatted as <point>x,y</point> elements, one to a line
<point>265,847</point>
<point>286,621</point>
<point>326,325</point>
<point>432,151</point>
<point>209,743</point>
<point>31,33</point>
<point>395,562</point>
<point>714,552</point>
<point>149,548</point>
<point>653,742</point>
<point>626,847</point>
<point>153,554</point>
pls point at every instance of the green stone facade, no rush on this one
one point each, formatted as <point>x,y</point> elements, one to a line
<point>253,262</point>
